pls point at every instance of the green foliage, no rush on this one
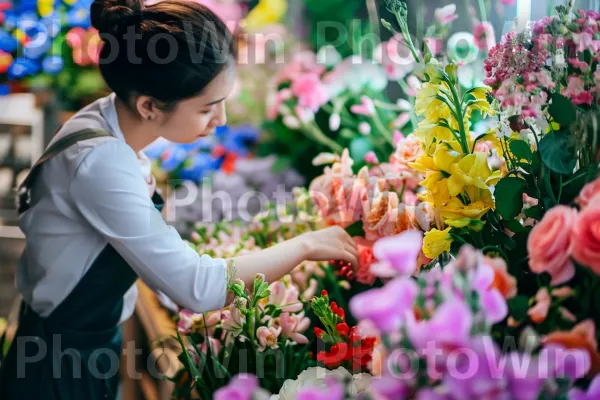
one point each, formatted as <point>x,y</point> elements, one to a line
<point>558,152</point>
<point>509,196</point>
<point>562,110</point>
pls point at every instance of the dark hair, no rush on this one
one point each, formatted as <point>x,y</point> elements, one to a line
<point>179,47</point>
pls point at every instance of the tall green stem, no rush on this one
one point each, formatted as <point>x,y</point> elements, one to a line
<point>320,137</point>
<point>461,123</point>
<point>482,10</point>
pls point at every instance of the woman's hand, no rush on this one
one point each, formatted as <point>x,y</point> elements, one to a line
<point>332,243</point>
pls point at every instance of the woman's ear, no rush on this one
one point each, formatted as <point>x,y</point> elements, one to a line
<point>146,107</point>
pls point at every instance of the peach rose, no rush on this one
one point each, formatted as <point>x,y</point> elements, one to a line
<point>338,194</point>
<point>539,311</point>
<point>386,216</point>
<point>588,192</point>
<point>549,244</point>
<point>586,237</point>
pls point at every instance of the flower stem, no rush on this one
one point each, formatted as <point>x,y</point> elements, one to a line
<point>461,123</point>
<point>482,10</point>
<point>381,128</point>
<point>320,137</point>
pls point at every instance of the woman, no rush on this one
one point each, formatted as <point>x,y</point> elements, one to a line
<point>91,227</point>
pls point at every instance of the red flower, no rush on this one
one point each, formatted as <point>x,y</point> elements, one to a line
<point>335,356</point>
<point>319,332</point>
<point>323,292</point>
<point>342,329</point>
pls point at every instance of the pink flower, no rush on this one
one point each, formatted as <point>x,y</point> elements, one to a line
<point>402,120</point>
<point>485,38</point>
<point>286,297</point>
<point>414,85</point>
<point>435,45</point>
<point>371,158</point>
<point>539,311</point>
<point>365,259</point>
<point>508,2</point>
<point>593,392</point>
<point>396,58</point>
<point>333,391</point>
<point>241,387</point>
<point>366,107</point>
<point>267,337</point>
<point>292,327</point>
<point>589,192</point>
<point>190,321</point>
<point>408,149</point>
<point>233,320</point>
<point>386,307</point>
<point>446,15</point>
<point>310,91</point>
<point>398,255</point>
<point>275,102</point>
<point>385,216</point>
<point>582,65</point>
<point>549,244</point>
<point>586,237</point>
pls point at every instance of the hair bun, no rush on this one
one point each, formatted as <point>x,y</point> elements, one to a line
<point>108,16</point>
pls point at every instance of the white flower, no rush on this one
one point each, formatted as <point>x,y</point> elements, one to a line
<point>316,376</point>
<point>328,56</point>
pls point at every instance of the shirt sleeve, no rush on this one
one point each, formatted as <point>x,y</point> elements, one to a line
<point>110,192</point>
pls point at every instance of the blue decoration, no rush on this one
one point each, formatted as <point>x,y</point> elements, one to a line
<point>38,47</point>
<point>8,43</point>
<point>200,166</point>
<point>79,17</point>
<point>4,90</point>
<point>52,24</point>
<point>52,64</point>
<point>22,67</point>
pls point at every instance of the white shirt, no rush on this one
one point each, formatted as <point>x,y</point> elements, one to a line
<point>94,194</point>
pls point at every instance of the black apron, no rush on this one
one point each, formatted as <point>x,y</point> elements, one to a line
<point>81,337</point>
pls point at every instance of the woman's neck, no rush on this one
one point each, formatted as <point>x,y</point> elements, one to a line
<point>136,131</point>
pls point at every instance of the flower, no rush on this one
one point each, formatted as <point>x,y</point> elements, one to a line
<point>241,387</point>
<point>267,337</point>
<point>592,393</point>
<point>539,311</point>
<point>446,15</point>
<point>505,283</point>
<point>396,58</point>
<point>508,2</point>
<point>233,320</point>
<point>485,37</point>
<point>549,244</point>
<point>328,385</point>
<point>310,91</point>
<point>582,336</point>
<point>365,259</point>
<point>398,254</point>
<point>436,242</point>
<point>192,322</point>
<point>386,307</point>
<point>266,12</point>
<point>366,107</point>
<point>285,296</point>
<point>292,327</point>
<point>586,237</point>
<point>588,193</point>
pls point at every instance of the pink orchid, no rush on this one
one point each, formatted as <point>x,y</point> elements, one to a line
<point>446,14</point>
<point>292,327</point>
<point>267,337</point>
<point>449,328</point>
<point>285,297</point>
<point>371,158</point>
<point>397,255</point>
<point>386,307</point>
<point>310,91</point>
<point>366,107</point>
<point>241,387</point>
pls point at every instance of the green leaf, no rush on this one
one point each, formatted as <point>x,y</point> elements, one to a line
<point>562,110</point>
<point>557,151</point>
<point>514,226</point>
<point>521,149</point>
<point>534,212</point>
<point>356,229</point>
<point>509,197</point>
<point>518,307</point>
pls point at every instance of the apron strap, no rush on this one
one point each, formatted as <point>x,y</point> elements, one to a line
<point>23,192</point>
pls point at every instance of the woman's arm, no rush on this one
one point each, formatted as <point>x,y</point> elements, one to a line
<point>274,262</point>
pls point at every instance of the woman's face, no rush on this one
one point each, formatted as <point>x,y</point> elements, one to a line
<point>200,115</point>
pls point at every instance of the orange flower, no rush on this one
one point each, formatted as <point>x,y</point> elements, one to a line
<point>539,311</point>
<point>503,281</point>
<point>582,336</point>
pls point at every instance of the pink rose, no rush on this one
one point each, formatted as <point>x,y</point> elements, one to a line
<point>586,237</point>
<point>365,259</point>
<point>309,89</point>
<point>589,191</point>
<point>549,244</point>
<point>292,327</point>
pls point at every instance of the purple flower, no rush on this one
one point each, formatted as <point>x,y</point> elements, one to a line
<point>241,387</point>
<point>334,391</point>
<point>564,363</point>
<point>386,307</point>
<point>523,375</point>
<point>391,387</point>
<point>432,394</point>
<point>398,254</point>
<point>593,392</point>
<point>449,328</point>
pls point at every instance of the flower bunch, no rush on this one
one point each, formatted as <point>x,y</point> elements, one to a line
<point>440,324</point>
<point>346,346</point>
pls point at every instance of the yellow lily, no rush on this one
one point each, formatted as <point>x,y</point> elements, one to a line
<point>267,12</point>
<point>456,210</point>
<point>472,170</point>
<point>436,242</point>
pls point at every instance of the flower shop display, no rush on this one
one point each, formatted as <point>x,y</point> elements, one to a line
<point>483,240</point>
